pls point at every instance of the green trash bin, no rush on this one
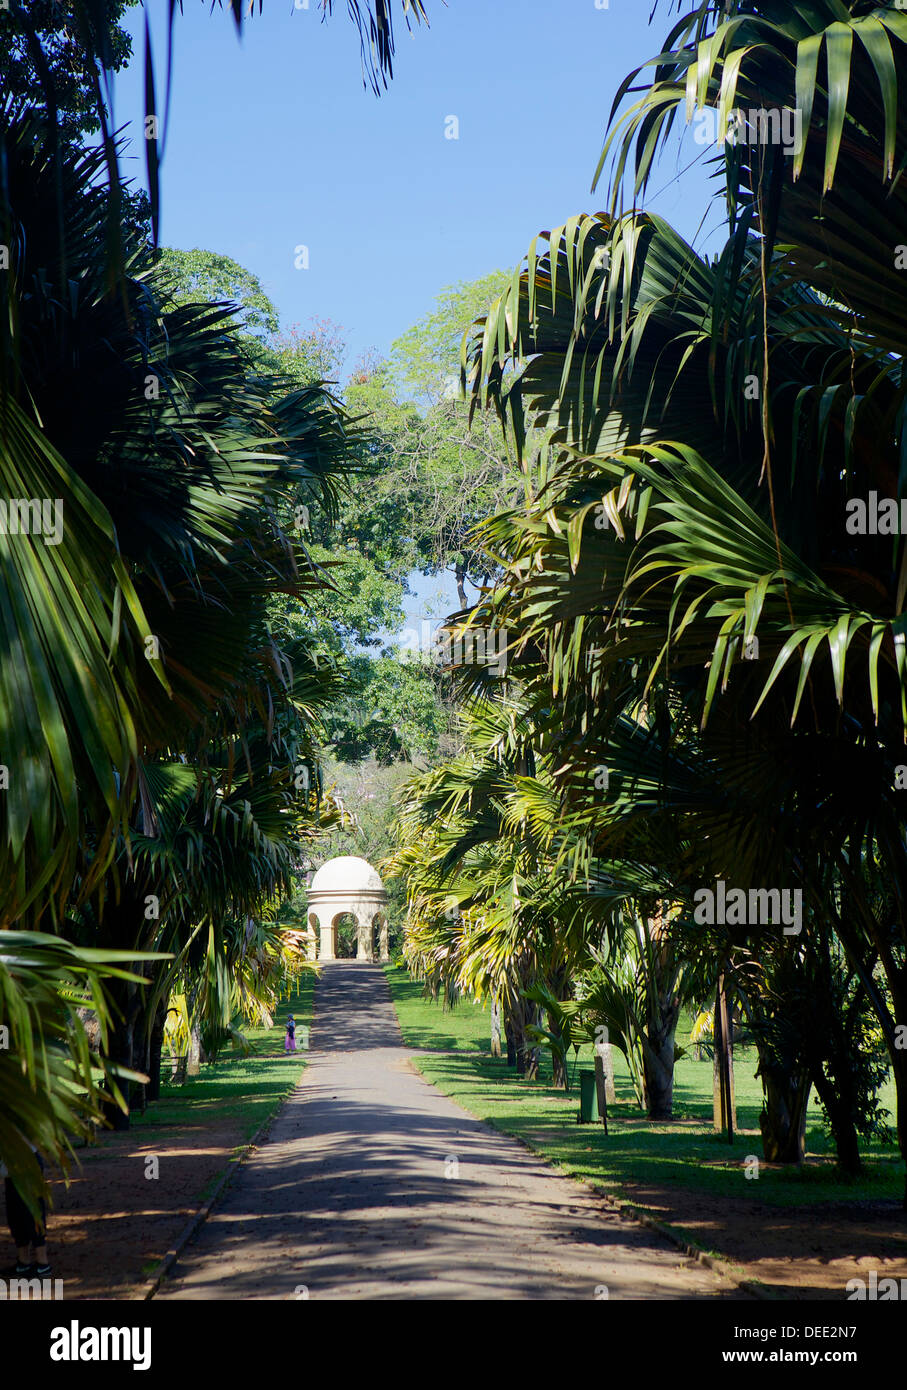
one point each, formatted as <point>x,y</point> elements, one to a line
<point>588,1098</point>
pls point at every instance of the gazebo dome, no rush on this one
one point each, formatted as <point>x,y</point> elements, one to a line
<point>347,886</point>
<point>346,873</point>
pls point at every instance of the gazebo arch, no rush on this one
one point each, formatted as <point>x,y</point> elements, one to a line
<point>347,884</point>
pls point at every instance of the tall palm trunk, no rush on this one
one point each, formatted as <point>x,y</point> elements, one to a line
<point>558,1064</point>
<point>561,988</point>
<point>897,1050</point>
<point>900,1088</point>
<point>839,1109</point>
<point>510,1041</point>
<point>783,1118</point>
<point>533,1048</point>
<point>495,1028</point>
<point>518,1033</point>
<point>724,1105</point>
<point>662,1013</point>
<point>122,1046</point>
<point>658,1067</point>
<point>196,1051</point>
<point>155,1051</point>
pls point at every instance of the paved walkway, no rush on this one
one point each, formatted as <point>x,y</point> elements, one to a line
<point>374,1185</point>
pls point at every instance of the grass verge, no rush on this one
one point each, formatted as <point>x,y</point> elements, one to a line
<point>240,1090</point>
<point>685,1153</point>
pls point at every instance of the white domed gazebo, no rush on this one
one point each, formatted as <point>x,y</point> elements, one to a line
<point>347,885</point>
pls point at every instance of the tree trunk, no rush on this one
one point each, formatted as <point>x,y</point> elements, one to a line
<point>460,574</point>
<point>561,988</point>
<point>724,1094</point>
<point>495,1028</point>
<point>844,1131</point>
<point>533,1049</point>
<point>125,1047</point>
<point>662,1013</point>
<point>897,983</point>
<point>518,1026</point>
<point>121,1039</point>
<point>141,1051</point>
<point>658,1067</point>
<point>511,1042</point>
<point>603,1050</point>
<point>155,1050</point>
<point>531,1069</point>
<point>783,1119</point>
<point>658,1060</point>
<point>196,1052</point>
<point>558,1058</point>
<point>719,1102</point>
<point>600,1089</point>
<point>125,1039</point>
<point>899,1067</point>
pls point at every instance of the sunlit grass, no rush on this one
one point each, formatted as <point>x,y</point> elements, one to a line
<point>686,1152</point>
<point>237,1088</point>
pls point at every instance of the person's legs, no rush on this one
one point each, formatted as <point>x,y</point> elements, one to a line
<point>40,1234</point>
<point>25,1231</point>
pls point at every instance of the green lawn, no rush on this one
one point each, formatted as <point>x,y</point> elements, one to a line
<point>688,1154</point>
<point>245,1089</point>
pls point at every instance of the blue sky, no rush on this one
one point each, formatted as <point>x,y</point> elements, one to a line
<point>273,143</point>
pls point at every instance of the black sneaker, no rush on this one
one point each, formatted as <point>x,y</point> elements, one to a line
<point>41,1271</point>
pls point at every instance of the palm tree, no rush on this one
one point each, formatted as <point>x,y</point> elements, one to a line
<point>139,666</point>
<point>142,636</point>
<point>170,465</point>
<point>489,913</point>
<point>710,423</point>
<point>51,1078</point>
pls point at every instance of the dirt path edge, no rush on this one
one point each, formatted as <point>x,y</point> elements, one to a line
<point>149,1289</point>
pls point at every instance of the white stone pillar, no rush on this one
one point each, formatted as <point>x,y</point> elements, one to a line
<point>365,949</point>
<point>384,953</point>
<point>327,941</point>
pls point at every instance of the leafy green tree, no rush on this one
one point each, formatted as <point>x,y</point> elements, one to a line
<point>208,277</point>
<point>713,424</point>
<point>47,57</point>
<point>457,470</point>
<point>139,631</point>
<point>297,357</point>
<point>393,709</point>
<point>139,608</point>
<point>426,359</point>
<point>51,1078</point>
<point>306,356</point>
